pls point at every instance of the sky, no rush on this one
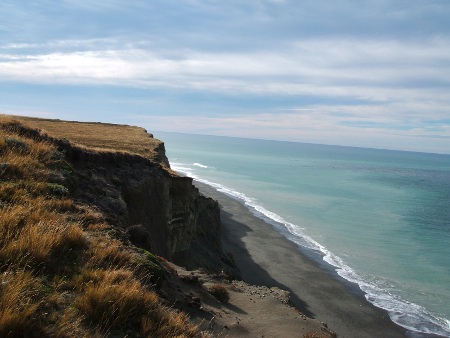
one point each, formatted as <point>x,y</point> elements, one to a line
<point>347,72</point>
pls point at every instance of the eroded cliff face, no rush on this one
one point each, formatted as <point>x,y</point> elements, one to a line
<point>145,201</point>
<point>157,209</point>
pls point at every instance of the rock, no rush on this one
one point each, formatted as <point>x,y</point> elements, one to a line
<point>139,236</point>
<point>157,209</point>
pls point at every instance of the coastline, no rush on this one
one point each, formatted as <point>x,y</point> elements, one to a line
<point>267,258</point>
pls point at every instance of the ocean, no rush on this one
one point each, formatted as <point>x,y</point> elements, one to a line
<point>380,218</point>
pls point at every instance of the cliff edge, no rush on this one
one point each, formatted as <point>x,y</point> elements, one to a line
<point>99,237</point>
<point>123,172</point>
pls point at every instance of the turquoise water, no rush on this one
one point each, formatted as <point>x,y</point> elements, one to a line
<point>380,218</point>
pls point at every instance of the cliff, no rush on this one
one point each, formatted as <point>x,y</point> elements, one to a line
<point>92,221</point>
<point>128,179</point>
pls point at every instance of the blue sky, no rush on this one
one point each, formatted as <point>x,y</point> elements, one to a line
<point>359,73</point>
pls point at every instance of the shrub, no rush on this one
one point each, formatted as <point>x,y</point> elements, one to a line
<point>220,292</point>
<point>17,145</point>
<point>148,264</point>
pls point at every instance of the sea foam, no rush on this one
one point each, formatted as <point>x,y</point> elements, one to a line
<point>201,165</point>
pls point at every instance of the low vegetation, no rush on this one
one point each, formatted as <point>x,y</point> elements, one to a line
<point>99,136</point>
<point>62,273</point>
<point>220,292</point>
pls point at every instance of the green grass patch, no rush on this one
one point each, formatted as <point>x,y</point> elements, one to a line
<point>149,265</point>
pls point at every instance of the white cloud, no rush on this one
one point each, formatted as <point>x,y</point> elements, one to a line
<point>389,80</point>
<point>367,69</point>
<point>377,67</point>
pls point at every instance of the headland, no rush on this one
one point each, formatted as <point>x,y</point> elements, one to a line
<point>185,259</point>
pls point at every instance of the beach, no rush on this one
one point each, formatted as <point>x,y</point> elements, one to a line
<point>266,258</point>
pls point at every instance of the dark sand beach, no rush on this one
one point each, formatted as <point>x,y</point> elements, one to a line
<point>267,258</point>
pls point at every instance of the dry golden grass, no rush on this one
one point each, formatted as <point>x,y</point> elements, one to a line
<point>61,273</point>
<point>31,228</point>
<point>19,302</point>
<point>17,163</point>
<point>105,251</point>
<point>97,227</point>
<point>166,323</point>
<point>40,244</point>
<point>114,298</point>
<point>111,298</point>
<point>98,136</point>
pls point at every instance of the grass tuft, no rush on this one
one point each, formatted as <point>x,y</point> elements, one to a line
<point>19,303</point>
<point>112,298</point>
<point>149,266</point>
<point>166,323</point>
<point>220,292</point>
<point>109,252</point>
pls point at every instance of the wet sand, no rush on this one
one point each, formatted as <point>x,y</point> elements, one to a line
<point>267,258</point>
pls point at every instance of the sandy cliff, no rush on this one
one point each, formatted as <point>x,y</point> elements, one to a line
<point>117,187</point>
<point>156,208</point>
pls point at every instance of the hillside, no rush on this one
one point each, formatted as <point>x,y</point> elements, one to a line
<point>101,136</point>
<point>66,269</point>
<point>92,220</point>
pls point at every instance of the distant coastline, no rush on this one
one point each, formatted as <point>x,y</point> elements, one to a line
<point>212,166</point>
<point>126,212</point>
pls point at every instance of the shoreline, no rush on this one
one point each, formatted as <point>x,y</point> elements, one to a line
<point>265,257</point>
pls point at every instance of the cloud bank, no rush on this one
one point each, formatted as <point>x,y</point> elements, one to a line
<point>372,75</point>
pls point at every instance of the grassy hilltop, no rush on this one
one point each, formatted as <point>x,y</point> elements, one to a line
<point>65,272</point>
<point>98,136</point>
